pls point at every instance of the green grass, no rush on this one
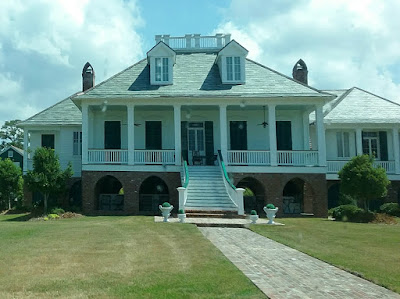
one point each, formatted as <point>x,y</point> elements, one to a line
<point>103,257</point>
<point>372,250</point>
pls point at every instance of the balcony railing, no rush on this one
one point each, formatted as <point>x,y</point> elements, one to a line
<point>249,158</point>
<point>336,166</point>
<point>154,156</point>
<point>107,156</point>
<point>195,41</point>
<point>298,158</point>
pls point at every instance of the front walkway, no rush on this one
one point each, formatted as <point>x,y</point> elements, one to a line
<point>282,272</point>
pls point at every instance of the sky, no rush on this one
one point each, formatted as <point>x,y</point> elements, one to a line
<point>44,44</point>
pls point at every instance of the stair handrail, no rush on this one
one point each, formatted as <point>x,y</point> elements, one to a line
<point>235,194</point>
<point>185,182</point>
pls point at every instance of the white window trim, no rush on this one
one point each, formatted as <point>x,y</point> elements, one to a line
<point>153,70</point>
<point>344,157</point>
<point>225,73</point>
<point>77,142</point>
<point>10,154</point>
<point>378,150</point>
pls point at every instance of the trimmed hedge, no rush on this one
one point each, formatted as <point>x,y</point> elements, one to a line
<point>351,213</point>
<point>391,208</point>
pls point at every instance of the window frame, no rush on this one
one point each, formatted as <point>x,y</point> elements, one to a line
<point>162,71</point>
<point>10,154</point>
<point>369,139</point>
<point>233,68</point>
<point>77,143</point>
<point>54,140</point>
<point>341,144</point>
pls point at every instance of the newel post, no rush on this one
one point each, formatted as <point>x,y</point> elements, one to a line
<point>181,191</point>
<point>240,202</point>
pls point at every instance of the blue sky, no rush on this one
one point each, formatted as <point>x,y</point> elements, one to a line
<point>44,44</point>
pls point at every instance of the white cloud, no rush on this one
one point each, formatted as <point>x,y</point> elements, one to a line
<point>343,43</point>
<point>45,44</point>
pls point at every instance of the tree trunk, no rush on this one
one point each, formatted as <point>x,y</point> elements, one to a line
<point>9,203</point>
<point>46,196</point>
<point>366,206</point>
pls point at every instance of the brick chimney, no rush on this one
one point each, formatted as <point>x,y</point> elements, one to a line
<point>87,77</point>
<point>300,72</point>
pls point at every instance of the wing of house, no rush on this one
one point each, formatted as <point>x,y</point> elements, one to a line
<point>14,153</point>
<point>198,101</point>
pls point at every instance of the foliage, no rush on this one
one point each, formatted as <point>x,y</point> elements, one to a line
<point>11,135</point>
<point>253,212</point>
<point>248,192</point>
<point>361,180</point>
<point>345,199</point>
<point>166,205</point>
<point>270,206</point>
<point>53,216</point>
<point>391,208</point>
<point>58,211</point>
<point>351,213</point>
<point>181,211</point>
<point>47,176</point>
<point>121,191</point>
<point>11,184</point>
<point>384,219</point>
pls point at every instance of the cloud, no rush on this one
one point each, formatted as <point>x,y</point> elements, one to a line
<point>45,44</point>
<point>343,43</point>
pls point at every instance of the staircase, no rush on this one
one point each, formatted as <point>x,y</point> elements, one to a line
<point>206,195</point>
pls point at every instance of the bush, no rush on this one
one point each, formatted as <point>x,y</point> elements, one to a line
<point>351,213</point>
<point>166,205</point>
<point>53,216</point>
<point>391,208</point>
<point>58,211</point>
<point>270,206</point>
<point>253,212</point>
<point>384,219</point>
<point>345,199</point>
<point>181,211</point>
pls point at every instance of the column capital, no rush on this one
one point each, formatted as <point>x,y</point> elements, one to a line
<point>130,105</point>
<point>222,106</point>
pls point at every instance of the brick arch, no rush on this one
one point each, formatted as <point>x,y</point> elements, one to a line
<point>108,184</point>
<point>256,202</point>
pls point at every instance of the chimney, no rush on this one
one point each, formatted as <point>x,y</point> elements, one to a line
<point>87,77</point>
<point>300,72</point>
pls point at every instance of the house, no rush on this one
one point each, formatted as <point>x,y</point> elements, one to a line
<point>196,122</point>
<point>14,153</point>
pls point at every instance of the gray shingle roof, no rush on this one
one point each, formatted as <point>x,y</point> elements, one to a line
<point>64,112</point>
<point>359,106</point>
<point>16,149</point>
<point>196,75</point>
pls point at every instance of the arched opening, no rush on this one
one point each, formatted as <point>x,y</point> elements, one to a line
<point>333,196</point>
<point>253,196</point>
<point>75,195</point>
<point>293,197</point>
<point>109,194</point>
<point>153,192</point>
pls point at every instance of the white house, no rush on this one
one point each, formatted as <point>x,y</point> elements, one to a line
<point>195,122</point>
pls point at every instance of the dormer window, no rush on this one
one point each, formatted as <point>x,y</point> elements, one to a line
<point>233,68</point>
<point>162,69</point>
<point>231,62</point>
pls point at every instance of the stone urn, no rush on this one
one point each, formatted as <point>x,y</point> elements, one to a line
<point>166,211</point>
<point>271,212</point>
<point>253,219</point>
<point>182,218</point>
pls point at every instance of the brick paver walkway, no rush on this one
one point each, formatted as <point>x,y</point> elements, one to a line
<point>282,272</point>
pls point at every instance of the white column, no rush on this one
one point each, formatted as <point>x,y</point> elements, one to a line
<point>359,141</point>
<point>223,130</point>
<point>395,133</point>
<point>306,130</point>
<point>85,133</point>
<point>177,121</point>
<point>272,135</point>
<point>131,133</point>
<point>26,141</point>
<point>321,136</point>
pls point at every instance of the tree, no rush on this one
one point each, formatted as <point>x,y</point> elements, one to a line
<point>47,176</point>
<point>11,135</point>
<point>11,183</point>
<point>364,182</point>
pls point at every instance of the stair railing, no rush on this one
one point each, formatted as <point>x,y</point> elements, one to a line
<point>235,194</point>
<point>185,183</point>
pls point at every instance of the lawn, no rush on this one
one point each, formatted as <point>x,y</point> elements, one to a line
<point>371,250</point>
<point>103,257</point>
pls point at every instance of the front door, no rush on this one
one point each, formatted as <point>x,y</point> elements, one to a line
<point>284,135</point>
<point>238,134</point>
<point>112,135</point>
<point>196,147</point>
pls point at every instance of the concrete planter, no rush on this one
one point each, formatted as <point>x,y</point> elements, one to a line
<point>182,218</point>
<point>253,219</point>
<point>166,212</point>
<point>270,214</point>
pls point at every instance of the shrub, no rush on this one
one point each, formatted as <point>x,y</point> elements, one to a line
<point>253,212</point>
<point>351,213</point>
<point>270,206</point>
<point>53,216</point>
<point>166,205</point>
<point>46,218</point>
<point>181,211</point>
<point>345,199</point>
<point>384,218</point>
<point>391,208</point>
<point>58,211</point>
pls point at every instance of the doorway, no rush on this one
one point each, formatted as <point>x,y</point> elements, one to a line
<point>196,143</point>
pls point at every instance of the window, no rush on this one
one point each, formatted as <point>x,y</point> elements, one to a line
<point>161,72</point>
<point>48,140</point>
<point>77,144</point>
<point>370,144</point>
<point>10,154</point>
<point>233,68</point>
<point>153,135</point>
<point>343,147</point>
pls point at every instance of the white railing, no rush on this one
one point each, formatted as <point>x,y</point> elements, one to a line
<point>108,156</point>
<point>336,166</point>
<point>249,158</point>
<point>195,41</point>
<point>154,156</point>
<point>298,158</point>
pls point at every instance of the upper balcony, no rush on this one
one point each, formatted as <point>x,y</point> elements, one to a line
<point>195,42</point>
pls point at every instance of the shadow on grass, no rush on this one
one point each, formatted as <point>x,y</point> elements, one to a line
<point>19,217</point>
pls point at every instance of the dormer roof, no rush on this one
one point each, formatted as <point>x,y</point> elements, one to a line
<point>233,48</point>
<point>161,49</point>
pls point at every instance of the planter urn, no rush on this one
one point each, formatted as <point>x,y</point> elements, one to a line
<point>182,218</point>
<point>253,219</point>
<point>166,212</point>
<point>270,214</point>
